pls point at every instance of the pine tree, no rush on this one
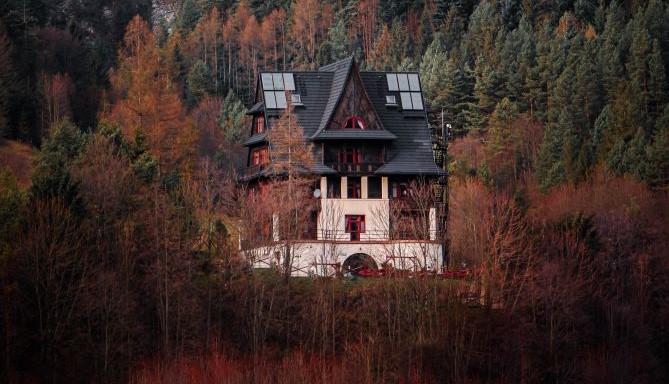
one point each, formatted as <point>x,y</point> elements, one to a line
<point>233,118</point>
<point>6,82</point>
<point>199,83</point>
<point>656,171</point>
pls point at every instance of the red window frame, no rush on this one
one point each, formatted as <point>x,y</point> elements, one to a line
<point>350,155</point>
<point>259,156</point>
<point>355,122</point>
<point>259,126</point>
<point>355,225</point>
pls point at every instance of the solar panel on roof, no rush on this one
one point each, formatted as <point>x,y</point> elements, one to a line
<point>392,82</point>
<point>416,100</point>
<point>270,100</point>
<point>278,81</point>
<point>403,81</point>
<point>280,99</point>
<point>289,81</point>
<point>414,85</point>
<point>267,83</point>
<point>406,100</point>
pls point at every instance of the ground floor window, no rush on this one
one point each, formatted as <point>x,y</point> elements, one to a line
<point>353,189</point>
<point>374,187</point>
<point>355,225</point>
<point>334,187</point>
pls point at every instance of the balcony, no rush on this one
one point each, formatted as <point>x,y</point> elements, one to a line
<point>355,168</point>
<point>250,172</point>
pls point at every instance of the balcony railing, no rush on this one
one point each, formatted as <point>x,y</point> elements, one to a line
<point>355,168</point>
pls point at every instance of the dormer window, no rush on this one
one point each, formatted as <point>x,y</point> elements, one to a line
<point>355,122</point>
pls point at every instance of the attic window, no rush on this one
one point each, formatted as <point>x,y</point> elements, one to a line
<point>296,99</point>
<point>391,100</point>
<point>355,122</point>
<point>408,84</point>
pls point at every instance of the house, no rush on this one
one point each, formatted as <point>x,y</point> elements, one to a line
<point>372,145</point>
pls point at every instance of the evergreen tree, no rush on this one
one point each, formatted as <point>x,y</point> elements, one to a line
<point>232,120</point>
<point>656,171</point>
<point>199,83</point>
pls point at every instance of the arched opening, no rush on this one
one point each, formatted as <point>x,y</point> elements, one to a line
<point>357,262</point>
<point>355,122</point>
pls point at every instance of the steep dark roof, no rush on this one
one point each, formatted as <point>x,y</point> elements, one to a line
<point>257,107</point>
<point>411,153</point>
<point>410,145</point>
<point>255,139</point>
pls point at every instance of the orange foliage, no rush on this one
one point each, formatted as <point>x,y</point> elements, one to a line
<point>146,101</point>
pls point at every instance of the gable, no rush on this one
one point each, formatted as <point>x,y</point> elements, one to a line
<point>354,102</point>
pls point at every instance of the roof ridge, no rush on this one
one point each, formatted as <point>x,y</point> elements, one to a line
<point>332,67</point>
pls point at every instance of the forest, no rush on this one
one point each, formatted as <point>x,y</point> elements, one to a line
<point>121,125</point>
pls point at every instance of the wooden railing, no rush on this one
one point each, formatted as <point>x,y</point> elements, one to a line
<point>355,168</point>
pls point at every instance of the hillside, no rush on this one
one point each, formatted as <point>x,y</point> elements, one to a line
<point>18,158</point>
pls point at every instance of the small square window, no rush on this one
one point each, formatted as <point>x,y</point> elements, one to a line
<point>296,99</point>
<point>391,100</point>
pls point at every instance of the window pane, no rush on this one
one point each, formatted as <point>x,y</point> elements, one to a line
<point>334,187</point>
<point>267,84</point>
<point>416,100</point>
<point>289,82</point>
<point>406,100</point>
<point>392,82</point>
<point>374,187</point>
<point>353,188</point>
<point>280,99</point>
<point>414,85</point>
<point>270,101</point>
<point>278,81</point>
<point>403,81</point>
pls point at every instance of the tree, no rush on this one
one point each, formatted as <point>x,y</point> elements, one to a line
<point>199,83</point>
<point>233,118</point>
<point>145,100</point>
<point>503,142</point>
<point>6,81</point>
<point>291,162</point>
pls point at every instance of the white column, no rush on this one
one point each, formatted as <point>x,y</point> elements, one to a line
<point>344,188</point>
<point>384,187</point>
<point>433,223</point>
<point>363,187</point>
<point>324,187</point>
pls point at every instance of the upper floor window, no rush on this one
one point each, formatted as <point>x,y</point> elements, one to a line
<point>259,156</point>
<point>355,122</point>
<point>259,124</point>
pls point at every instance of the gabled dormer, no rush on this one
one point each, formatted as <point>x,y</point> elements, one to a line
<point>349,113</point>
